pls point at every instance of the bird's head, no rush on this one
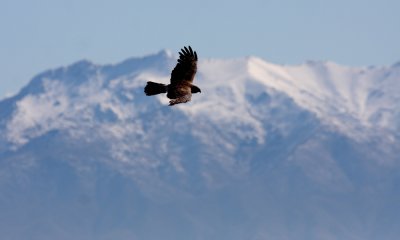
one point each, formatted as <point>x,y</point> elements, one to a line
<point>195,89</point>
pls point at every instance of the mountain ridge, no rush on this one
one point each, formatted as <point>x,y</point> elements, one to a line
<point>264,152</point>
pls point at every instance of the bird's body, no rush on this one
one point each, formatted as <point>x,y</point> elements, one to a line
<point>181,85</point>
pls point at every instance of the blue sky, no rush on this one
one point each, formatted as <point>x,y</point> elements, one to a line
<point>42,34</point>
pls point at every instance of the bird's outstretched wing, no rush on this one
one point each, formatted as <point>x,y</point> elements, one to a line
<point>186,67</point>
<point>182,99</point>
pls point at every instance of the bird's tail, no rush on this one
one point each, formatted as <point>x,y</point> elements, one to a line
<point>153,88</point>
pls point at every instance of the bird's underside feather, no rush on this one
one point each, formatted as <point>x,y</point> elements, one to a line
<point>179,90</point>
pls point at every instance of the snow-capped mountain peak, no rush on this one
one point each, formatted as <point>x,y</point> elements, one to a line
<point>265,151</point>
<point>356,100</point>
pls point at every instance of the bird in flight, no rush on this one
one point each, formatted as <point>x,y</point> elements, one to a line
<point>181,85</point>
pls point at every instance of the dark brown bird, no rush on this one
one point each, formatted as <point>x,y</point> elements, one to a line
<point>181,85</point>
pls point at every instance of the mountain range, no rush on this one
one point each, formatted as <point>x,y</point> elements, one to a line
<point>266,151</point>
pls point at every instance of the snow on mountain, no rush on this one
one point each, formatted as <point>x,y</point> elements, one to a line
<point>358,101</point>
<point>264,152</point>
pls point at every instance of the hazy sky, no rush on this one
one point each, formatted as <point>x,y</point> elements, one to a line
<point>40,34</point>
